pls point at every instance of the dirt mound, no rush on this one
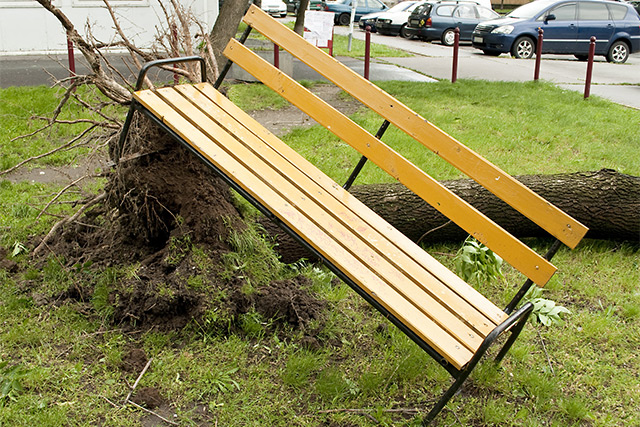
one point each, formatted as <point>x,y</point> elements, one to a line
<point>164,228</point>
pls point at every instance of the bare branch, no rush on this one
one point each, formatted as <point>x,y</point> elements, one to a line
<point>63,147</point>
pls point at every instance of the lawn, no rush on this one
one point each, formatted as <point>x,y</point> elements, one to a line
<point>64,362</point>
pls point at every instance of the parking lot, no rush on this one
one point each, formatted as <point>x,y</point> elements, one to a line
<point>618,82</point>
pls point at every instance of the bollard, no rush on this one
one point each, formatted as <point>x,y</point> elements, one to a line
<point>71,58</point>
<point>456,45</point>
<point>276,56</point>
<point>592,51</point>
<point>367,52</point>
<point>536,73</point>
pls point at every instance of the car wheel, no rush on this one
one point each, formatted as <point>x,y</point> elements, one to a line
<point>448,37</point>
<point>523,48</point>
<point>344,19</point>
<point>618,52</point>
<point>490,52</point>
<point>404,33</point>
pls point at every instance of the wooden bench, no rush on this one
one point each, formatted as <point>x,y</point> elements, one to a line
<point>445,316</point>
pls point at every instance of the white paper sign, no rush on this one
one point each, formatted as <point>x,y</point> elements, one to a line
<point>318,27</point>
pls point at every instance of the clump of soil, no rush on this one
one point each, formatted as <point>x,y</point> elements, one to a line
<point>162,202</point>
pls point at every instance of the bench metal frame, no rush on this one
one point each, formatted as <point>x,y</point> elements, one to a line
<point>514,323</point>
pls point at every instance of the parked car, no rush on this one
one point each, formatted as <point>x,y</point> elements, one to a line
<point>342,9</point>
<point>293,5</point>
<point>568,27</point>
<point>438,20</point>
<point>274,7</point>
<point>396,14</point>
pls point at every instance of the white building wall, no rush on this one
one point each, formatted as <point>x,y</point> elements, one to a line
<point>27,28</point>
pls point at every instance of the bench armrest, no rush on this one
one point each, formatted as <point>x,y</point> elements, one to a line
<point>145,68</point>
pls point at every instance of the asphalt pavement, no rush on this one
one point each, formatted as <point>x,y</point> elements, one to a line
<point>618,82</point>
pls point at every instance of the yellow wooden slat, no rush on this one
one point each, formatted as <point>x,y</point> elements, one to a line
<point>462,213</point>
<point>264,191</point>
<point>332,216</point>
<point>438,296</point>
<point>556,222</point>
<point>406,247</point>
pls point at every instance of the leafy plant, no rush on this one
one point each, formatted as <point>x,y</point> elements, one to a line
<point>10,381</point>
<point>18,248</point>
<point>545,310</point>
<point>220,382</point>
<point>475,261</point>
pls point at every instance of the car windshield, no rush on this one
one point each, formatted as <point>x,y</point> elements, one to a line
<point>529,10</point>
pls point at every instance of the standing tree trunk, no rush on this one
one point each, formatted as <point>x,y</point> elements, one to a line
<point>605,201</point>
<point>226,26</point>
<point>298,28</point>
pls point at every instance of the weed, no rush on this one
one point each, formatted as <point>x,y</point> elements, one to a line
<point>11,381</point>
<point>545,310</point>
<point>476,262</point>
<point>214,382</point>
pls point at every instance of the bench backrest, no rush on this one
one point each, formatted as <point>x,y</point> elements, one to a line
<point>534,207</point>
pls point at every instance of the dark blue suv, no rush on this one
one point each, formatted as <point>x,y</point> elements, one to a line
<point>568,26</point>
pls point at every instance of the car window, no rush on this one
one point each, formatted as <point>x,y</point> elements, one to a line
<point>618,11</point>
<point>422,9</point>
<point>484,13</point>
<point>528,10</point>
<point>564,12</point>
<point>361,3</point>
<point>445,10</point>
<point>588,11</point>
<point>464,11</point>
<point>375,4</point>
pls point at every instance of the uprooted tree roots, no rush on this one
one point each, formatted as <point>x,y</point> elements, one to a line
<point>150,249</point>
<point>163,231</point>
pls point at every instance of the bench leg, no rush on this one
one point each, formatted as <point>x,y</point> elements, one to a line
<point>516,323</point>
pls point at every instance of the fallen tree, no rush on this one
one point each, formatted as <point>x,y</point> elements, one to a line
<point>606,201</point>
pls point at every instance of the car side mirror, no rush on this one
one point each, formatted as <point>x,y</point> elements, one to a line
<point>550,17</point>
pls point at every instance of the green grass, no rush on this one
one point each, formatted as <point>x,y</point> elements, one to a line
<point>20,104</point>
<point>524,128</point>
<point>66,356</point>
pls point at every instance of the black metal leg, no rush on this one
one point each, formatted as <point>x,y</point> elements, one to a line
<point>517,321</point>
<point>528,283</point>
<point>515,332</point>
<point>347,185</point>
<point>124,131</point>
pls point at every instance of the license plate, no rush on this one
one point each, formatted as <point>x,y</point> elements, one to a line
<point>477,39</point>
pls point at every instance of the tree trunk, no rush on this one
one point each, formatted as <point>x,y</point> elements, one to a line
<point>298,27</point>
<point>605,201</point>
<point>226,26</point>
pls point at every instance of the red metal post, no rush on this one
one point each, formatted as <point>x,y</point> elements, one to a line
<point>276,56</point>
<point>456,45</point>
<point>71,58</point>
<point>536,73</point>
<point>592,51</point>
<point>367,52</point>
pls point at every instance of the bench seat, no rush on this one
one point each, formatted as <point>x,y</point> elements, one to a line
<point>438,306</point>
